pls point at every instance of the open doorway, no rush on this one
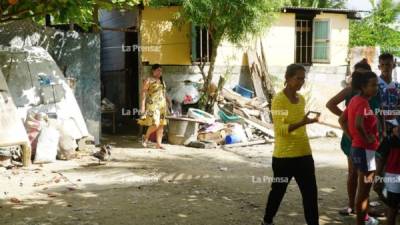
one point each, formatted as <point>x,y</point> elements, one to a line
<point>119,71</point>
<point>132,72</point>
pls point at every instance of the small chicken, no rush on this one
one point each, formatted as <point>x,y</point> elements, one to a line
<point>104,154</point>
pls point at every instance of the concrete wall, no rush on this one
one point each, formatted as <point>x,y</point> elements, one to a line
<point>279,41</point>
<point>78,53</point>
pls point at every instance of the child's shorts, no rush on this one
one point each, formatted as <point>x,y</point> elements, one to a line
<point>393,200</point>
<point>363,159</point>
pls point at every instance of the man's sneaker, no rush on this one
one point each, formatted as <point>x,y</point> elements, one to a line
<point>371,221</point>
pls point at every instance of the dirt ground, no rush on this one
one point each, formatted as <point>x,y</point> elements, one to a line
<point>178,186</point>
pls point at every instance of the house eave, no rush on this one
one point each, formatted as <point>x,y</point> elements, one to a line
<point>351,14</point>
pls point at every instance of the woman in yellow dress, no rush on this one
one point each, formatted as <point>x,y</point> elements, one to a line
<point>153,106</point>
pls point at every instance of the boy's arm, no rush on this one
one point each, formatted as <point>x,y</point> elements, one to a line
<point>333,103</point>
<point>343,123</point>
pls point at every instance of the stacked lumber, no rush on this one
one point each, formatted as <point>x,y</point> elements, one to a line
<point>262,81</point>
<point>253,112</point>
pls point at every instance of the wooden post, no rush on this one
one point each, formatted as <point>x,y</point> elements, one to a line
<point>96,19</point>
<point>141,76</point>
<point>26,155</point>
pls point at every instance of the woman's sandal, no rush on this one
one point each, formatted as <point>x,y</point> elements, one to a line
<point>161,147</point>
<point>346,211</point>
<point>144,143</point>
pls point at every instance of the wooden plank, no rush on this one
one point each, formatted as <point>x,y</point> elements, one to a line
<point>267,79</point>
<point>259,122</point>
<point>234,97</point>
<point>247,144</point>
<point>184,119</point>
<point>263,129</point>
<point>259,125</point>
<point>254,72</point>
<point>330,125</point>
<point>26,151</point>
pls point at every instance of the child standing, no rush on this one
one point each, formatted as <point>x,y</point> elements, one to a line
<point>333,105</point>
<point>360,124</point>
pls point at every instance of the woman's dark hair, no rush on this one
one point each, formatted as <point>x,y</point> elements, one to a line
<point>386,56</point>
<point>363,64</point>
<point>155,66</point>
<point>292,69</point>
<point>361,79</point>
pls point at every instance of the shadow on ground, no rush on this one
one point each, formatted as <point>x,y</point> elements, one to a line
<point>174,189</point>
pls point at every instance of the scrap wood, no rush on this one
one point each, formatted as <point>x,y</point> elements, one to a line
<point>254,103</point>
<point>267,80</point>
<point>255,74</point>
<point>184,119</point>
<point>259,122</point>
<point>234,97</point>
<point>250,112</point>
<point>258,142</point>
<point>261,78</point>
<point>259,125</point>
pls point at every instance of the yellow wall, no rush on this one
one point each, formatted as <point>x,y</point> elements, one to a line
<point>339,37</point>
<point>279,41</point>
<point>161,41</point>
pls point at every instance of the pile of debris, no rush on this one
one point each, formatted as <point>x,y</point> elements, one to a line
<point>243,117</point>
<point>240,121</point>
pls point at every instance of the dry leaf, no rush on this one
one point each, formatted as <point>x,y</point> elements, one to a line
<point>15,201</point>
<point>52,194</point>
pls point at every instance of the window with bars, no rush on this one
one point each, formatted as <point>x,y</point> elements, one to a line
<point>303,41</point>
<point>201,45</point>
